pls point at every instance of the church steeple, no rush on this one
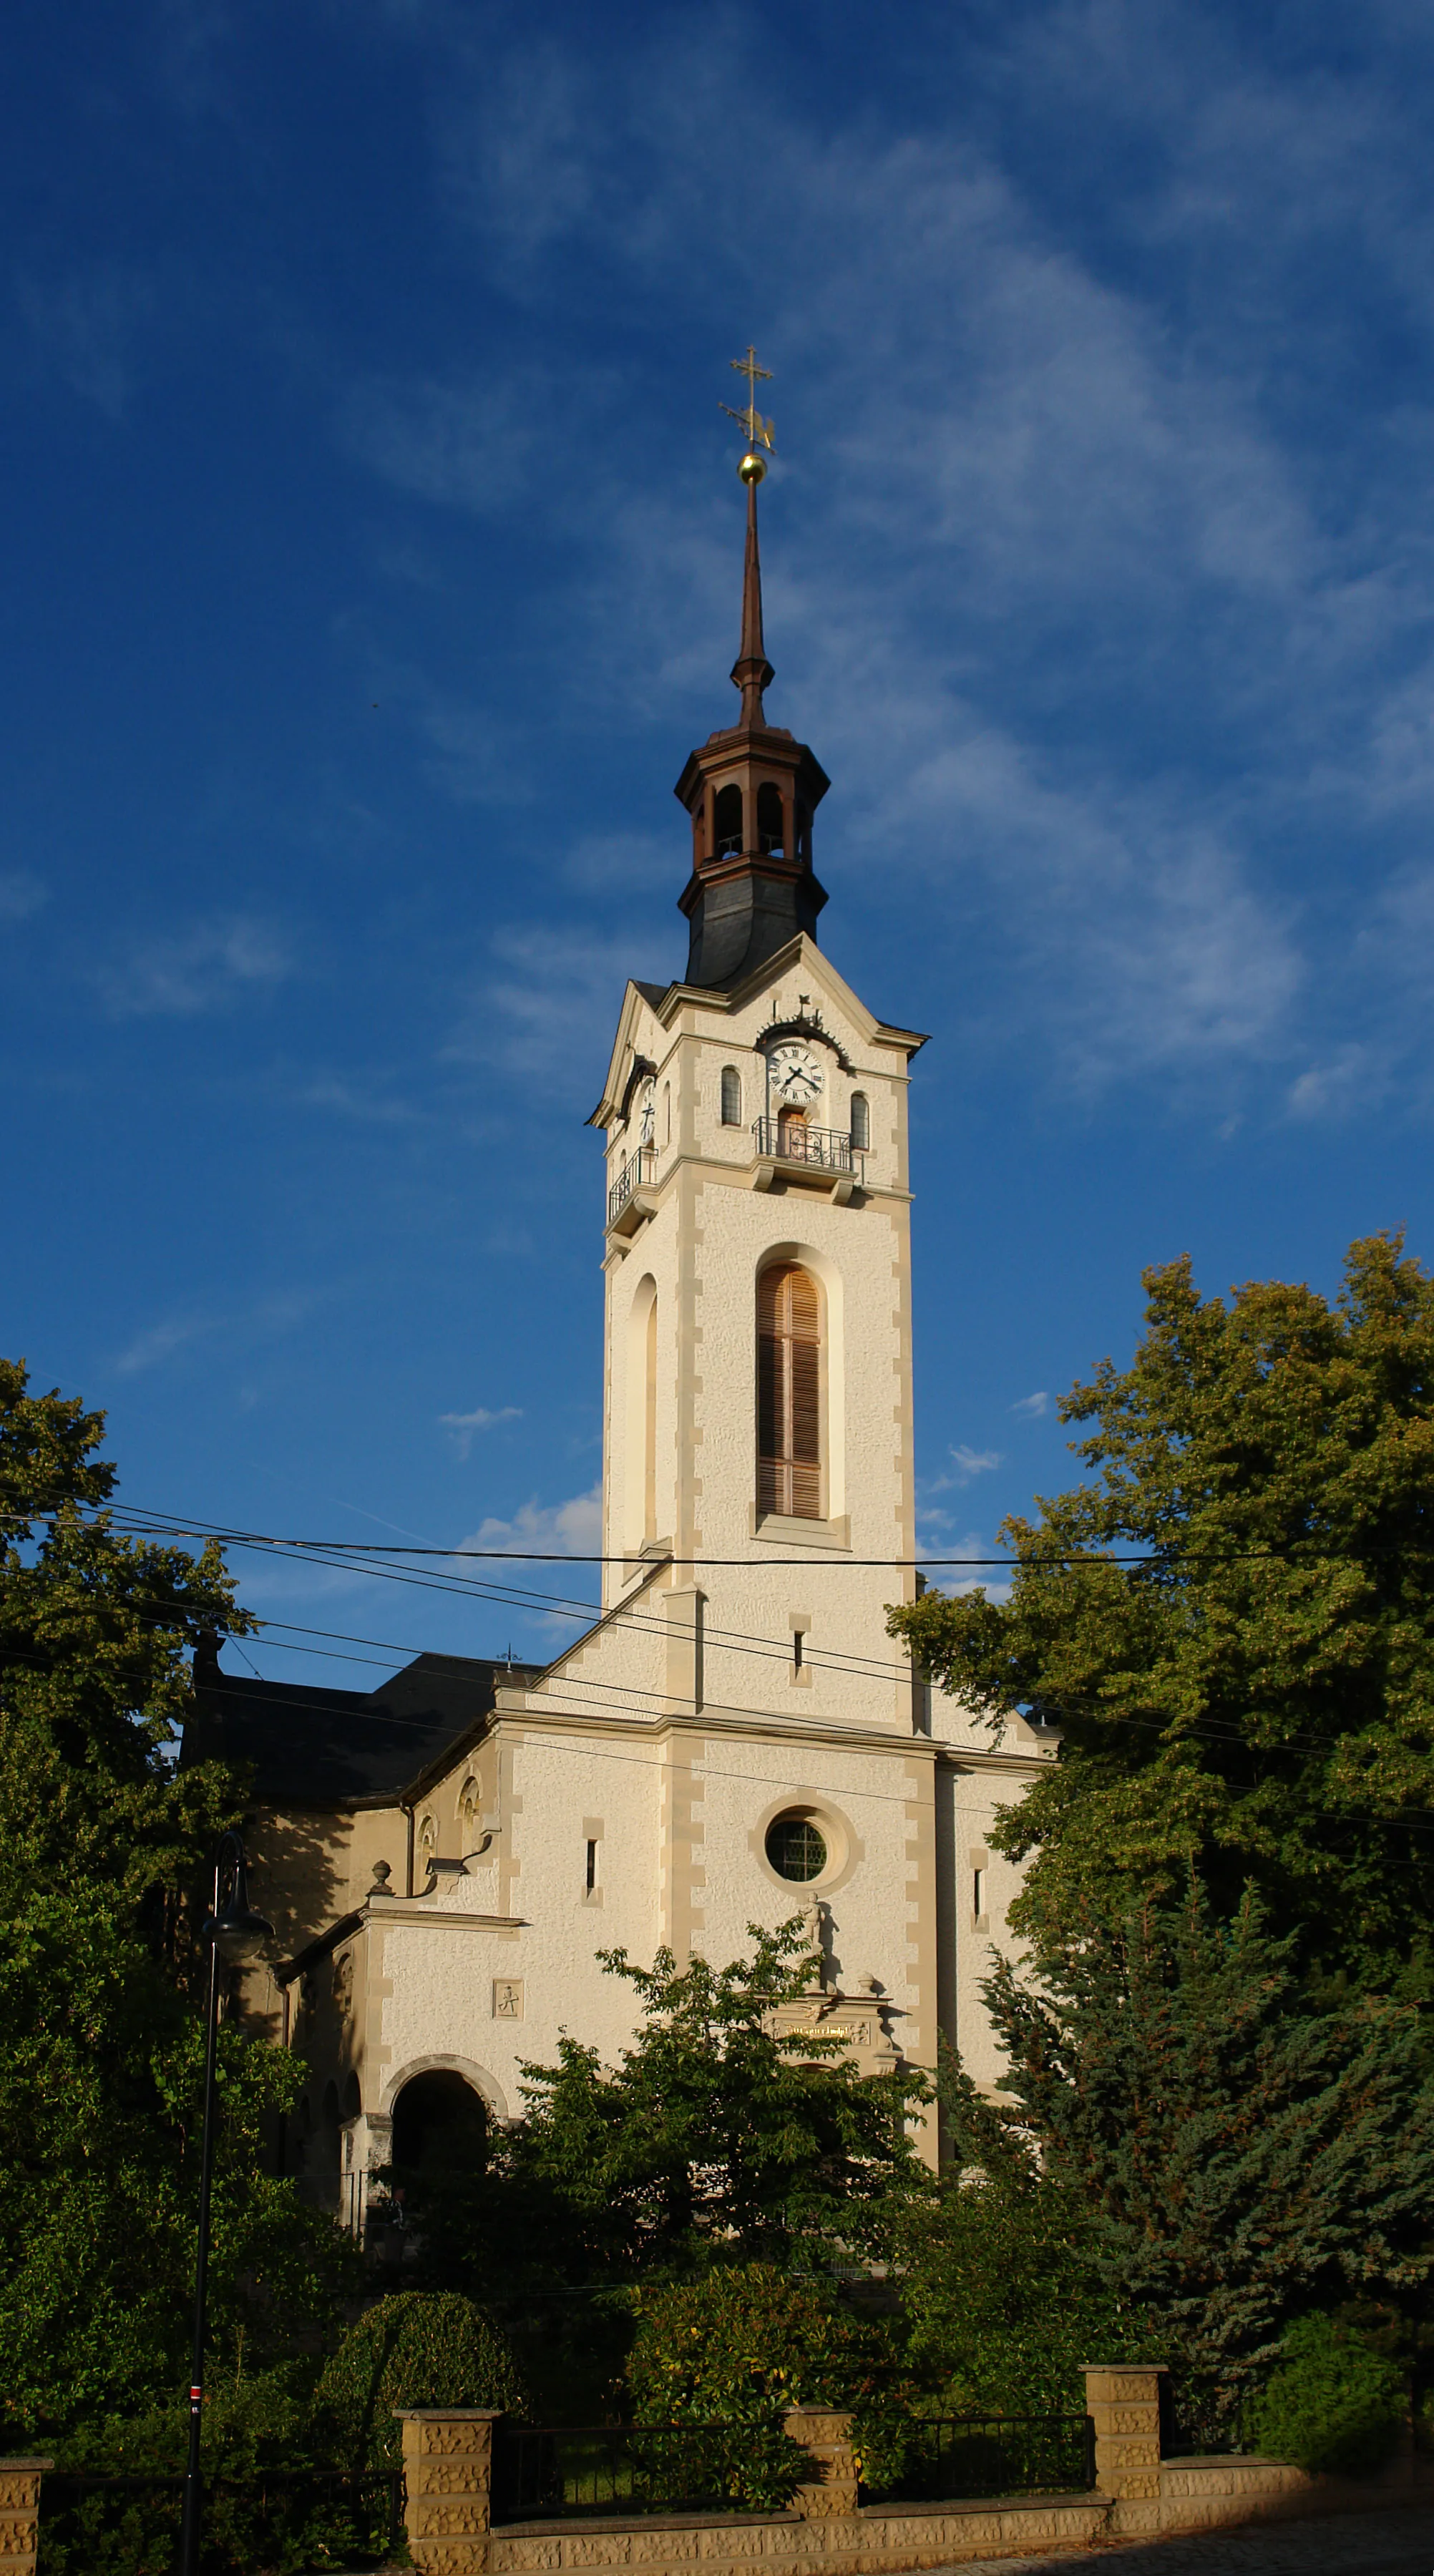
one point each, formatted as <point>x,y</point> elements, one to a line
<point>752,672</point>
<point>751,792</point>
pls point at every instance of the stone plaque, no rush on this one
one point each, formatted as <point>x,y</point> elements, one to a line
<point>507,1999</point>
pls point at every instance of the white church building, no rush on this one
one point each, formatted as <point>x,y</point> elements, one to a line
<point>736,1739</point>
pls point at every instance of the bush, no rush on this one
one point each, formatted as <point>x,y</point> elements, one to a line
<point>1332,2403</point>
<point>253,2425</point>
<point>420,2348</point>
<point>742,2345</point>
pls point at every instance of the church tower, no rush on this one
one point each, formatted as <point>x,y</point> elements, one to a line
<point>735,1739</point>
<point>758,1364</point>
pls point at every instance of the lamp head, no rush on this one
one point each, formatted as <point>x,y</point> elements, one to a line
<point>238,1933</point>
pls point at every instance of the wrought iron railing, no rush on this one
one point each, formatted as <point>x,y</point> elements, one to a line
<point>93,2525</point>
<point>923,2458</point>
<point>789,1141</point>
<point>542,2471</point>
<point>639,1167</point>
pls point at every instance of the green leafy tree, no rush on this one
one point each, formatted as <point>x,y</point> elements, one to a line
<point>1237,2155</point>
<point>1253,1698</point>
<point>102,1852</point>
<point>742,2345</point>
<point>1004,2296</point>
<point>717,2137</point>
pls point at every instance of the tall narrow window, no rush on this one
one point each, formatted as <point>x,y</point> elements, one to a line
<point>860,1122</point>
<point>649,1427</point>
<point>727,821</point>
<point>770,830</point>
<point>731,1096</point>
<point>789,1356</point>
<point>590,1875</point>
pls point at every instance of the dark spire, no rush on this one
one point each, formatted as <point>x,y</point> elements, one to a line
<point>752,672</point>
<point>751,792</point>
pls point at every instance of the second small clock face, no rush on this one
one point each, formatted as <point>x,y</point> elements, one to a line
<point>795,1075</point>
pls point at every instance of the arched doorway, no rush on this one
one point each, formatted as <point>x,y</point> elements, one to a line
<point>440,2128</point>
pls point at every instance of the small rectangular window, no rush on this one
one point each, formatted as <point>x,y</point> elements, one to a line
<point>797,1642</point>
<point>591,1880</point>
<point>978,1892</point>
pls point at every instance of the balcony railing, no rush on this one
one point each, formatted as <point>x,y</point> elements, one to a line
<point>830,1149</point>
<point>639,1167</point>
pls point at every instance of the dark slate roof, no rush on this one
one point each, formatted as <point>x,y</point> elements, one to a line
<point>656,994</point>
<point>316,1747</point>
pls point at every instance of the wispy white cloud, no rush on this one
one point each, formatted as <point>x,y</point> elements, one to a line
<point>85,323</point>
<point>545,1010</point>
<point>1031,1406</point>
<point>1353,1079</point>
<point>573,1528</point>
<point>968,1463</point>
<point>22,894</point>
<point>236,1327</point>
<point>464,1425</point>
<point>204,968</point>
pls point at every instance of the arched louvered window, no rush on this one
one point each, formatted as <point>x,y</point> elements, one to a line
<point>789,1370</point>
<point>727,821</point>
<point>731,1096</point>
<point>860,1122</point>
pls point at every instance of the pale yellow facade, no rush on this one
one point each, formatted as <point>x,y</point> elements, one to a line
<point>740,1674</point>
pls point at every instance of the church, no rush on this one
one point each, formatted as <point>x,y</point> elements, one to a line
<point>736,1739</point>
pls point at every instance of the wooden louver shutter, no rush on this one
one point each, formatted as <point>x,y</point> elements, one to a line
<point>789,1394</point>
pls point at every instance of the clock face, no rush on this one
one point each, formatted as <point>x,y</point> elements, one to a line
<point>795,1075</point>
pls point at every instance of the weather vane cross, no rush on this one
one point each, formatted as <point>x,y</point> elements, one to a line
<point>759,431</point>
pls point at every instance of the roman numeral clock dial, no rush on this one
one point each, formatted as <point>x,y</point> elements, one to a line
<point>795,1076</point>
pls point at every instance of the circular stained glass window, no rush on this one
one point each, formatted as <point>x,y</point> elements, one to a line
<point>795,1848</point>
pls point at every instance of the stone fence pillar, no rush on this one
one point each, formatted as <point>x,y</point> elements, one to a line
<point>1123,2402</point>
<point>448,2478</point>
<point>828,2437</point>
<point>20,2514</point>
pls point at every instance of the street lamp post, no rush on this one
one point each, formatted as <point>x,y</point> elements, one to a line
<point>240,1934</point>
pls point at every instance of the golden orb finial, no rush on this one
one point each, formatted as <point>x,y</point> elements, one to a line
<point>752,467</point>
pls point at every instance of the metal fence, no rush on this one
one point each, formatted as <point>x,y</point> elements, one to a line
<point>546,2470</point>
<point>289,2519</point>
<point>931,2458</point>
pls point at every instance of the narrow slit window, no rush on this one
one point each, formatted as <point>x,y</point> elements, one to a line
<point>978,1892</point>
<point>860,1122</point>
<point>731,1096</point>
<point>590,1879</point>
<point>789,1366</point>
<point>797,1642</point>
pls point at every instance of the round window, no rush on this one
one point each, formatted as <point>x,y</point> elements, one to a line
<point>795,1848</point>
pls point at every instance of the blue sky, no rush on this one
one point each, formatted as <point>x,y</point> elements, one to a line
<point>372,561</point>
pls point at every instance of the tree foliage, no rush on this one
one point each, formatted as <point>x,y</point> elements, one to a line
<point>416,2348</point>
<point>1254,1697</point>
<point>717,2137</point>
<point>102,1848</point>
<point>1237,2155</point>
<point>1332,2404</point>
<point>1004,2295</point>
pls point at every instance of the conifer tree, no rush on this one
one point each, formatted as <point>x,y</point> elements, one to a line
<point>1238,2155</point>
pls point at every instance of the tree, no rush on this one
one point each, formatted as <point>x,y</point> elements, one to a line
<point>1254,1696</point>
<point>1237,2155</point>
<point>717,2137</point>
<point>102,1852</point>
<point>1004,2296</point>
